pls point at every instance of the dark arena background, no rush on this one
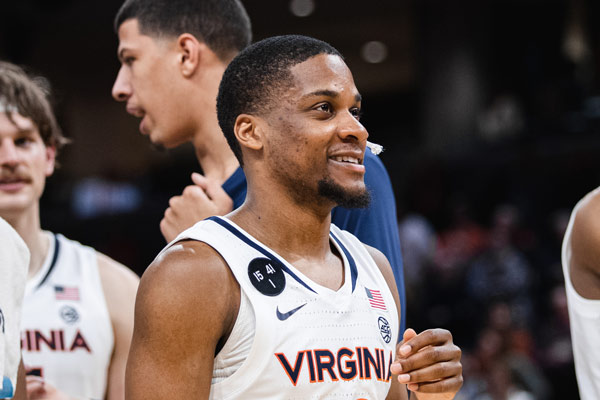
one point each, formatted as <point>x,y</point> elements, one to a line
<point>489,112</point>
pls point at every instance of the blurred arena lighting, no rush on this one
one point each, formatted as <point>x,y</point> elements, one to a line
<point>302,8</point>
<point>374,52</point>
<point>94,197</point>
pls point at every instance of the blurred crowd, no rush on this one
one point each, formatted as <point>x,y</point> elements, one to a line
<point>498,286</point>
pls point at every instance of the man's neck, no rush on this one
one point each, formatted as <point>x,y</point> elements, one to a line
<point>215,157</point>
<point>27,225</point>
<point>298,233</point>
<point>212,150</point>
<point>290,229</point>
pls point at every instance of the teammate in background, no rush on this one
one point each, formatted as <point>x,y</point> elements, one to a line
<point>14,261</point>
<point>273,301</point>
<point>172,59</point>
<point>77,318</point>
<point>581,268</point>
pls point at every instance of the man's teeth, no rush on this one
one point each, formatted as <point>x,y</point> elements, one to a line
<point>346,159</point>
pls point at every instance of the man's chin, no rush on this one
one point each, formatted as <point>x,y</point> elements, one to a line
<point>158,147</point>
<point>347,198</point>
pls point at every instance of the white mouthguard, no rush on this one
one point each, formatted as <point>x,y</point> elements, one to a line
<point>375,148</point>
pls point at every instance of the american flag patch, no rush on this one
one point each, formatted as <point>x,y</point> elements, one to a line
<point>66,293</point>
<point>375,299</point>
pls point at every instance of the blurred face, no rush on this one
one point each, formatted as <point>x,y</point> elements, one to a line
<point>147,83</point>
<point>25,162</point>
<point>316,141</point>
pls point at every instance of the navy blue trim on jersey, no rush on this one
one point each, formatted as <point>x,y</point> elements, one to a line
<point>353,269</point>
<point>53,262</point>
<point>255,246</point>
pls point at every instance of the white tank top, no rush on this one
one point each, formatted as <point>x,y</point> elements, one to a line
<point>14,263</point>
<point>309,342</point>
<point>66,332</point>
<point>584,316</point>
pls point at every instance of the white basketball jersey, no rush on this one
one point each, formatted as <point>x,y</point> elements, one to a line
<point>310,342</point>
<point>66,332</point>
<point>14,263</point>
<point>584,316</point>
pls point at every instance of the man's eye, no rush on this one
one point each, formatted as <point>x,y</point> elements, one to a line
<point>356,112</point>
<point>24,141</point>
<point>128,60</point>
<point>325,107</point>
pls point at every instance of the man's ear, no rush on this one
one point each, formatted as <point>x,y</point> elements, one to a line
<point>189,53</point>
<point>50,160</point>
<point>248,131</point>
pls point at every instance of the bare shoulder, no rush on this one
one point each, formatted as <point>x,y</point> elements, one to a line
<point>186,304</point>
<point>586,212</point>
<point>188,261</point>
<point>585,234</point>
<point>583,246</point>
<point>187,276</point>
<point>115,276</point>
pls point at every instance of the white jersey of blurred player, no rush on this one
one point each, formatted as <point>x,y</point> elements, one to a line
<point>66,331</point>
<point>14,262</point>
<point>584,316</point>
<point>295,338</point>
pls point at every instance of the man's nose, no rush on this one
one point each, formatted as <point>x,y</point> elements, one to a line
<point>350,127</point>
<point>121,90</point>
<point>8,152</point>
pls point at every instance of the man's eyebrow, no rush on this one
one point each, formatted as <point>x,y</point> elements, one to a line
<point>27,130</point>
<point>332,93</point>
<point>23,132</point>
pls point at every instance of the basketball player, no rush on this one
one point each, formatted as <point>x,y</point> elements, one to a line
<point>77,315</point>
<point>172,59</point>
<point>273,301</point>
<point>581,268</point>
<point>14,261</point>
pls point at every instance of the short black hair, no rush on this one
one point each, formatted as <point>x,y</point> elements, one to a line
<point>223,25</point>
<point>258,74</point>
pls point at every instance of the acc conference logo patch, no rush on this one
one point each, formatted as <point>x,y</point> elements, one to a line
<point>266,276</point>
<point>384,329</point>
<point>69,314</point>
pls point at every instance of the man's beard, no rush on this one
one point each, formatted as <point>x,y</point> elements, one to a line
<point>343,198</point>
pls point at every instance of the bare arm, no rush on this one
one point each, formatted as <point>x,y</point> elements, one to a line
<point>20,391</point>
<point>120,286</point>
<point>186,305</point>
<point>584,246</point>
<point>428,363</point>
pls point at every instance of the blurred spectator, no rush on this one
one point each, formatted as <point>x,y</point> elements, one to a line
<point>417,240</point>
<point>502,273</point>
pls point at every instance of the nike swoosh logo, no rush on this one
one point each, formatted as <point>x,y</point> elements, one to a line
<point>284,316</point>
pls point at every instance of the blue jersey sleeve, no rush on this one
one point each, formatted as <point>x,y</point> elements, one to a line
<point>377,225</point>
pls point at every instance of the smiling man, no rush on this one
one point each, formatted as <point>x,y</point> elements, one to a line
<point>273,301</point>
<point>172,60</point>
<point>77,315</point>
